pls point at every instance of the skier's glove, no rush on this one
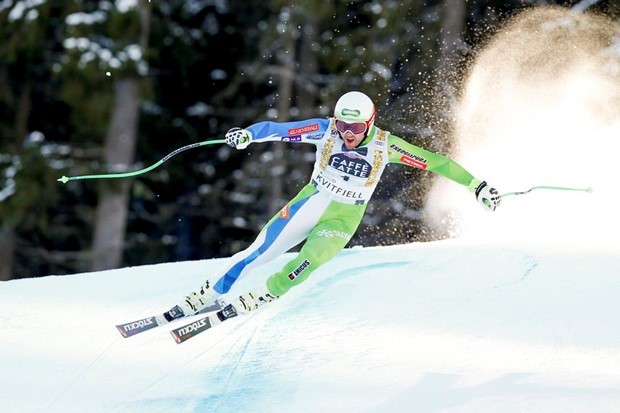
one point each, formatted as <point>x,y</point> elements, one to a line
<point>488,196</point>
<point>238,138</point>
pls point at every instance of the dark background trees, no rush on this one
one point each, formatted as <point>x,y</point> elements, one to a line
<point>102,86</point>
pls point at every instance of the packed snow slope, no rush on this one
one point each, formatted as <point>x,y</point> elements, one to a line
<point>450,326</point>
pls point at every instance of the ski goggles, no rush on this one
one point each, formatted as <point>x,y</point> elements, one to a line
<point>356,128</point>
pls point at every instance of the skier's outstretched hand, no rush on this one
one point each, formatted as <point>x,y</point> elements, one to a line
<point>238,138</point>
<point>488,196</point>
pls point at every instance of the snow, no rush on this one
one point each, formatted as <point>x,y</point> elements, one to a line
<point>9,187</point>
<point>557,125</point>
<point>20,9</point>
<point>450,326</point>
<point>78,18</point>
<point>125,6</point>
<point>105,50</point>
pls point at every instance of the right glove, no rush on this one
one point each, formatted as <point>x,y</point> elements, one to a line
<point>238,138</point>
<point>487,196</point>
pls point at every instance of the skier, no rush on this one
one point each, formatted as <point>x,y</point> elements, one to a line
<point>351,155</point>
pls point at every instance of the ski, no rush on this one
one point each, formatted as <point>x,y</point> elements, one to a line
<point>140,326</point>
<point>145,324</point>
<point>196,327</point>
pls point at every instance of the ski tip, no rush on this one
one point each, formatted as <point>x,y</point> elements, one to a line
<point>192,329</point>
<point>122,331</point>
<point>176,337</point>
<point>138,326</point>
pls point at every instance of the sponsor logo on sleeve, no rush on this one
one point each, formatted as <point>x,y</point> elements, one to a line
<point>304,129</point>
<point>413,162</point>
<point>293,138</point>
<point>409,158</point>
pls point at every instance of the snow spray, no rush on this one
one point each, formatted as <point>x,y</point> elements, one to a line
<point>541,104</point>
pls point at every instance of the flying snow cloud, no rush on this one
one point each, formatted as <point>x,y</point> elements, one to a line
<point>541,106</point>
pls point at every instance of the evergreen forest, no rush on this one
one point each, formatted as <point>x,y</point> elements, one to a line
<point>112,86</point>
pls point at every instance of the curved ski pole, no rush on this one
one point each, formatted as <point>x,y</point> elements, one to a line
<point>66,179</point>
<point>556,188</point>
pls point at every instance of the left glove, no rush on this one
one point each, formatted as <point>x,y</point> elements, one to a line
<point>488,196</point>
<point>238,138</point>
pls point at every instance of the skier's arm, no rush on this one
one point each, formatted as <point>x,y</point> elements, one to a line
<point>402,152</point>
<point>307,131</point>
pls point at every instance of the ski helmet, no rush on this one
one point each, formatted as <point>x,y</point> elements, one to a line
<point>355,107</point>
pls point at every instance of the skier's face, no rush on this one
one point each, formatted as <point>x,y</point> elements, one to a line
<point>351,133</point>
<point>352,140</point>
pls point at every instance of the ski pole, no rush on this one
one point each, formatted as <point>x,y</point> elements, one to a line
<point>66,179</point>
<point>555,188</point>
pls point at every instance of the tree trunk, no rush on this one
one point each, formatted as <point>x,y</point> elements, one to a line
<point>111,215</point>
<point>306,87</point>
<point>448,71</point>
<point>285,95</point>
<point>307,90</point>
<point>450,47</point>
<point>8,237</point>
<point>112,210</point>
<point>21,117</point>
<point>7,252</point>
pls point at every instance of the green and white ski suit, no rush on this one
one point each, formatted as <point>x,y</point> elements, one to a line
<point>328,210</point>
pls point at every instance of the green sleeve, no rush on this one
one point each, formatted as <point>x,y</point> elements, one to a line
<point>402,152</point>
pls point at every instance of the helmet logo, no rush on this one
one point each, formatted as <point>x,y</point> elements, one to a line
<point>350,112</point>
